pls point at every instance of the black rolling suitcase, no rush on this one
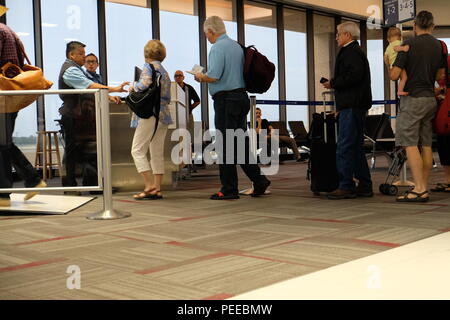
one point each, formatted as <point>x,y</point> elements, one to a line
<point>322,170</point>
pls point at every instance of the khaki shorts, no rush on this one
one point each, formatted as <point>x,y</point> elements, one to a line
<point>414,121</point>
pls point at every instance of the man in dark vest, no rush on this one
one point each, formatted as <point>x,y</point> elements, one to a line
<point>76,109</point>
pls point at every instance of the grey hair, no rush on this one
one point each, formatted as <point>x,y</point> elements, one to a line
<point>215,25</point>
<point>351,28</point>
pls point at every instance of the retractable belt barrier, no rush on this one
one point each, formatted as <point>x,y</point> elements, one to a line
<point>103,151</point>
<point>314,103</point>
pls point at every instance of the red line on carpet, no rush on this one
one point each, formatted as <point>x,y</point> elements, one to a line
<point>32,264</point>
<point>378,243</point>
<point>198,259</point>
<point>220,296</point>
<point>326,220</point>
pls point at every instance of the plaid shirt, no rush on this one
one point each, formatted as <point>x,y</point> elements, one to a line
<point>9,52</point>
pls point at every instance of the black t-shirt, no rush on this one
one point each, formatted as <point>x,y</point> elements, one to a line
<point>193,96</point>
<point>421,63</point>
<point>264,124</point>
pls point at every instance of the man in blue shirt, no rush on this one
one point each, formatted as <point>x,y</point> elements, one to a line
<point>78,111</point>
<point>231,105</point>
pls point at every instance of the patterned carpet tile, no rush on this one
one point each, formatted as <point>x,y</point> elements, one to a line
<point>298,227</point>
<point>387,234</point>
<point>138,287</point>
<point>227,221</point>
<point>54,278</point>
<point>243,240</point>
<point>11,256</point>
<point>231,274</point>
<point>145,256</point>
<point>167,232</point>
<point>89,244</point>
<point>320,252</point>
<point>434,221</point>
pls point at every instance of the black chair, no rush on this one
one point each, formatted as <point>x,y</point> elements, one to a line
<point>282,131</point>
<point>300,134</point>
<point>379,137</point>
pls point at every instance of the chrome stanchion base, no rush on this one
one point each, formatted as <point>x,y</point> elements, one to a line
<point>108,215</point>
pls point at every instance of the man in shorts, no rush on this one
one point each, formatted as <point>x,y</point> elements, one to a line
<point>424,63</point>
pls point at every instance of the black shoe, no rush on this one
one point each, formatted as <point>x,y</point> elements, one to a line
<point>259,190</point>
<point>221,196</point>
<point>364,191</point>
<point>339,194</point>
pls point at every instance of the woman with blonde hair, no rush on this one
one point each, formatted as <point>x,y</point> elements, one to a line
<point>145,137</point>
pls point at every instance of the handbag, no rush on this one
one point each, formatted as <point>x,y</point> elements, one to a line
<point>13,77</point>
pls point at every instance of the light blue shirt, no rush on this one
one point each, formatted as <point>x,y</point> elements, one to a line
<point>226,64</point>
<point>76,78</point>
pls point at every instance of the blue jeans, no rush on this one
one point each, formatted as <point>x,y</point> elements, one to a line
<point>350,157</point>
<point>231,113</point>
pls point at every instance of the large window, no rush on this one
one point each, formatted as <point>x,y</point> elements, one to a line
<point>20,19</point>
<point>179,33</point>
<point>225,10</point>
<point>62,22</point>
<point>324,53</point>
<point>128,28</point>
<point>261,31</point>
<point>296,64</point>
<point>375,56</point>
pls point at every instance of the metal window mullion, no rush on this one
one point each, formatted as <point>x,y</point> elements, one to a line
<point>39,60</point>
<point>102,44</point>
<point>310,60</point>
<point>240,20</point>
<point>201,11</point>
<point>156,33</point>
<point>281,61</point>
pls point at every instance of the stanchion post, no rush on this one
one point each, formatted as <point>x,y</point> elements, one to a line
<point>108,213</point>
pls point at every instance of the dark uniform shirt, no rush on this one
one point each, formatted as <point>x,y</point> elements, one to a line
<point>193,96</point>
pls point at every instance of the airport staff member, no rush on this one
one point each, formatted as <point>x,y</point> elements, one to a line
<point>91,66</point>
<point>72,76</point>
<point>194,99</point>
<point>231,104</point>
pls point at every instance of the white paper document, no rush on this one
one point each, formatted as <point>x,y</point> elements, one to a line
<point>196,69</point>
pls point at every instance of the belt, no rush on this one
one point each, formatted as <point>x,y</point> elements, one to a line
<point>221,93</point>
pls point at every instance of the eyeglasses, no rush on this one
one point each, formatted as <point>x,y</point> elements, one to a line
<point>91,61</point>
<point>178,75</point>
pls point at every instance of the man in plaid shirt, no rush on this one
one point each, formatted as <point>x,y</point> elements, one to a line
<point>10,155</point>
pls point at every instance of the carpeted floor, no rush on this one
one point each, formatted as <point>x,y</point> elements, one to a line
<point>189,247</point>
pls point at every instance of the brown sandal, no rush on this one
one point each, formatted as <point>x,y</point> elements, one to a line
<point>143,195</point>
<point>155,196</point>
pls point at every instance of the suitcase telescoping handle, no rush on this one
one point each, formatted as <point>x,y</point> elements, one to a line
<point>324,100</point>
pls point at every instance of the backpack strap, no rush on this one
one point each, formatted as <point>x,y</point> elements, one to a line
<point>156,77</point>
<point>445,56</point>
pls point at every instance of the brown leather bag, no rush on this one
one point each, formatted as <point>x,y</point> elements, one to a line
<point>12,77</point>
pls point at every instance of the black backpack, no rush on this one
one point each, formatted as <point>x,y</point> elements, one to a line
<point>259,72</point>
<point>147,104</point>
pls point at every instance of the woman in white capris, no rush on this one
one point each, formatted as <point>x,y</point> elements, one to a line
<point>154,53</point>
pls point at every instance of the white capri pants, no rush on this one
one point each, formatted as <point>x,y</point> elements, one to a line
<point>142,144</point>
